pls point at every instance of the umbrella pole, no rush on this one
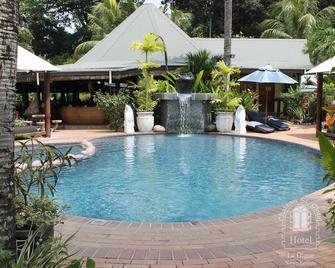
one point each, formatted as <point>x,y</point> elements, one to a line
<point>266,102</point>
<point>319,103</point>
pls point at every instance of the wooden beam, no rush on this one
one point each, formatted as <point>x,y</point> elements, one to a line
<point>47,104</point>
<point>319,103</point>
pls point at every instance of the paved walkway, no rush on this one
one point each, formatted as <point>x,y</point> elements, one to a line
<point>253,240</point>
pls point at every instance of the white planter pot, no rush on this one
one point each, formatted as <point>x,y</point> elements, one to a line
<point>224,121</point>
<point>145,121</point>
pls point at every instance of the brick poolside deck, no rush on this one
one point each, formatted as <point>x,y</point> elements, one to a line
<point>253,240</point>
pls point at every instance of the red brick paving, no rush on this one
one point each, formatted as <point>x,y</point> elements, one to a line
<point>252,240</point>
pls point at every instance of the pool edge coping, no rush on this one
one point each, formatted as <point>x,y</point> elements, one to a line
<point>312,197</point>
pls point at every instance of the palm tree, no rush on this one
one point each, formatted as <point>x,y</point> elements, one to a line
<point>321,41</point>
<point>321,45</point>
<point>228,18</point>
<point>293,18</point>
<point>8,38</point>
<point>104,18</point>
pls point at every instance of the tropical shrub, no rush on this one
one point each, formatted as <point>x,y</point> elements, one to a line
<point>222,87</point>
<point>222,76</point>
<point>51,253</point>
<point>20,122</point>
<point>39,212</point>
<point>37,168</point>
<point>201,61</point>
<point>113,107</point>
<point>201,86</point>
<point>225,101</point>
<point>248,99</point>
<point>329,90</point>
<point>328,162</point>
<point>168,84</point>
<point>299,106</point>
<point>145,89</point>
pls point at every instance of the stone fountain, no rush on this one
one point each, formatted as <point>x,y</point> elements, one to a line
<point>184,111</point>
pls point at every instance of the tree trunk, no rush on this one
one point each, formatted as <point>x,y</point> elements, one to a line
<point>8,57</point>
<point>228,17</point>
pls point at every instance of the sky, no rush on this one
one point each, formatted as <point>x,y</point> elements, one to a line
<point>156,2</point>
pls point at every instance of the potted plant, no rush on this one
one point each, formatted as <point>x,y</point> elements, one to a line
<point>37,167</point>
<point>226,100</point>
<point>147,85</point>
<point>145,89</point>
<point>225,105</point>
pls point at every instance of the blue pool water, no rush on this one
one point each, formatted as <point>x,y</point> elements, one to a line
<point>172,178</point>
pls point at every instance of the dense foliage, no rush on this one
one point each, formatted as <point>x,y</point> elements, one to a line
<point>300,107</point>
<point>37,170</point>
<point>321,41</point>
<point>208,16</point>
<point>51,253</point>
<point>294,19</point>
<point>201,61</point>
<point>54,29</point>
<point>226,98</point>
<point>328,162</point>
<point>103,18</point>
<point>113,107</point>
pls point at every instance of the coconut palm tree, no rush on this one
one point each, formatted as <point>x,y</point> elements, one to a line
<point>321,41</point>
<point>228,18</point>
<point>105,16</point>
<point>293,18</point>
<point>8,39</point>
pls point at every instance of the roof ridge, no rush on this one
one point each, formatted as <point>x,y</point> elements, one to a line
<point>132,16</point>
<point>180,31</point>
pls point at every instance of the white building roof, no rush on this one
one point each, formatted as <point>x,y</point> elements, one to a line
<point>114,53</point>
<point>114,49</point>
<point>27,61</point>
<point>327,66</point>
<point>284,54</point>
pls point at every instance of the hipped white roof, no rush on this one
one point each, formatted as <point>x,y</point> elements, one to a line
<point>327,66</point>
<point>27,61</point>
<point>250,53</point>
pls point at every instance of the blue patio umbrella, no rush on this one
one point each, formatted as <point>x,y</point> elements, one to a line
<point>268,75</point>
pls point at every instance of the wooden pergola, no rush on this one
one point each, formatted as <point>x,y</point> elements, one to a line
<point>27,62</point>
<point>62,81</point>
<point>326,67</point>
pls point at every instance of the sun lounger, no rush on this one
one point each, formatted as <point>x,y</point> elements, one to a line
<point>259,127</point>
<point>272,122</point>
<point>277,124</point>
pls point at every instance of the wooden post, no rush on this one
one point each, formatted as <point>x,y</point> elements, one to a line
<point>319,103</point>
<point>47,104</point>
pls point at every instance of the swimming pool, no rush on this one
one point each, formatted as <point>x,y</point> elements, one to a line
<point>170,178</point>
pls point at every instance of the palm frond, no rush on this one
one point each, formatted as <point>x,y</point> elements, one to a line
<point>83,48</point>
<point>307,23</point>
<point>274,33</point>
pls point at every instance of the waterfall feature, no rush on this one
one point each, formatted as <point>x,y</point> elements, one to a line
<point>184,109</point>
